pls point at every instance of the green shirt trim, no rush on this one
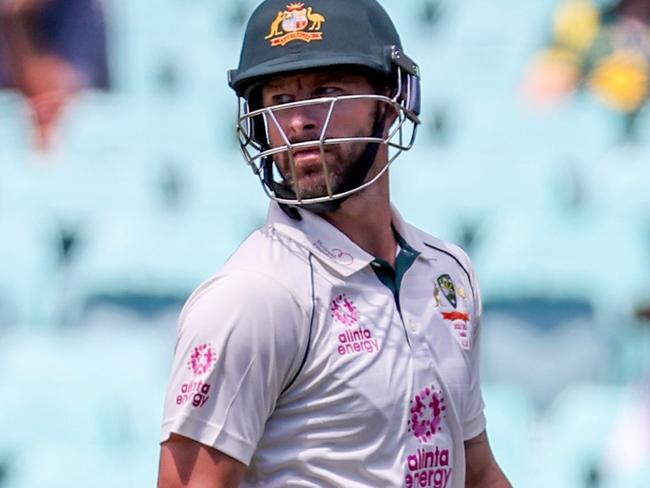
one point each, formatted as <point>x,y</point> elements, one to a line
<point>392,278</point>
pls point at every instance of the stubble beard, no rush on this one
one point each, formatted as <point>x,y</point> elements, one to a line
<point>341,161</point>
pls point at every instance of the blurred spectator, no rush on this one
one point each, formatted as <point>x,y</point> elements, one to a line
<point>606,50</point>
<point>49,50</point>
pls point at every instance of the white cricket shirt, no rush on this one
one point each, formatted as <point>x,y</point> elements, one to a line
<point>316,365</point>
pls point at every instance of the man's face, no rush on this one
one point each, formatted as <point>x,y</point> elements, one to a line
<point>349,118</point>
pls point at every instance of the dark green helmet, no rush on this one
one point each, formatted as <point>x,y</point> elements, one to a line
<point>288,37</point>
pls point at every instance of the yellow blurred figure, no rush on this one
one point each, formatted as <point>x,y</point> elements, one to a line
<point>621,80</point>
<point>604,51</point>
<point>576,24</point>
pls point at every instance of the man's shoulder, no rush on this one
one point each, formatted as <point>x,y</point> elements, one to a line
<point>266,266</point>
<point>269,251</point>
<point>434,245</point>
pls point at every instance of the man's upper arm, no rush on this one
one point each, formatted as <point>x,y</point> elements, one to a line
<point>482,470</point>
<point>185,462</point>
<point>240,342</point>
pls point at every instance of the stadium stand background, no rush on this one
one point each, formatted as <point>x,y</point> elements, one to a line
<point>144,195</point>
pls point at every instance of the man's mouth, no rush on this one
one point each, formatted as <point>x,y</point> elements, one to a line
<point>306,155</point>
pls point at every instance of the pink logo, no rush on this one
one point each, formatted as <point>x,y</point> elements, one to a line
<point>202,359</point>
<point>344,310</point>
<point>426,413</point>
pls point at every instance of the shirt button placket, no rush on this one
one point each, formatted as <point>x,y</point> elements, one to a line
<point>413,326</point>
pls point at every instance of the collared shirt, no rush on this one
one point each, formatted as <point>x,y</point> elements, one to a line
<point>317,365</point>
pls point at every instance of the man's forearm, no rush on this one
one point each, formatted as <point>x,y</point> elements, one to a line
<point>482,470</point>
<point>490,476</point>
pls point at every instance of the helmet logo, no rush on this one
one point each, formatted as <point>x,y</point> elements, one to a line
<point>296,23</point>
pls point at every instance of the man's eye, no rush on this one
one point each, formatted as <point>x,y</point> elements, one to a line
<point>328,91</point>
<point>280,99</point>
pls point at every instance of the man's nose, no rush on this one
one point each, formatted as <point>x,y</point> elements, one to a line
<point>301,122</point>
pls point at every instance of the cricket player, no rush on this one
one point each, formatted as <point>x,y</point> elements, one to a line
<point>339,345</point>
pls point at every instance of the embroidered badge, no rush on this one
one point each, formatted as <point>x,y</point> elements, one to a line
<point>296,23</point>
<point>448,289</point>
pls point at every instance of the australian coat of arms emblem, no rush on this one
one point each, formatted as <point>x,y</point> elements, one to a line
<point>296,23</point>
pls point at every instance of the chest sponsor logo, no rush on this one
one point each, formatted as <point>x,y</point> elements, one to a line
<point>425,413</point>
<point>428,467</point>
<point>296,23</point>
<point>344,310</point>
<point>430,464</point>
<point>353,339</point>
<point>196,392</point>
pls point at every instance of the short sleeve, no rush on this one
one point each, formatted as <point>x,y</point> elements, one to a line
<point>240,341</point>
<point>474,417</point>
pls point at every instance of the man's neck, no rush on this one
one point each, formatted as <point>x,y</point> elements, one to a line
<point>367,220</point>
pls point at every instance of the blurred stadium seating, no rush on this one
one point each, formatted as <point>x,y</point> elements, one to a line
<point>145,194</point>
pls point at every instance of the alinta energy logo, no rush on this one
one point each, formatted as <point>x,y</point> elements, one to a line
<point>426,412</point>
<point>430,465</point>
<point>353,339</point>
<point>201,362</point>
<point>202,359</point>
<point>344,310</point>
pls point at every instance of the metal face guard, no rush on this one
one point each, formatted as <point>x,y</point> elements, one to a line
<point>253,128</point>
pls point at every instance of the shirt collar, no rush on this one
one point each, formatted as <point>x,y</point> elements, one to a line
<point>412,236</point>
<point>331,246</point>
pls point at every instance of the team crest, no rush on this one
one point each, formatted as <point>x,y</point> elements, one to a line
<point>446,284</point>
<point>296,23</point>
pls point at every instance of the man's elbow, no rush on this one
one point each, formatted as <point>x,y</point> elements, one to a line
<point>482,470</point>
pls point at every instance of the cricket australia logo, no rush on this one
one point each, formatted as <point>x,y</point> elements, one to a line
<point>446,284</point>
<point>296,23</point>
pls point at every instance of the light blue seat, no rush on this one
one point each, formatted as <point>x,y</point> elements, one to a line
<point>542,362</point>
<point>86,405</point>
<point>153,260</point>
<point>15,124</point>
<point>511,423</point>
<point>551,314</point>
<point>27,262</point>
<point>579,425</point>
<point>66,465</point>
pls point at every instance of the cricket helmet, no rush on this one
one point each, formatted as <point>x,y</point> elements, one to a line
<point>286,38</point>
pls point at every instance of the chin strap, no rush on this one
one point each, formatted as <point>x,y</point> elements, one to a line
<point>357,177</point>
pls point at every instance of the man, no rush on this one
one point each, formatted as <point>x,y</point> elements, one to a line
<point>339,345</point>
<point>50,50</point>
